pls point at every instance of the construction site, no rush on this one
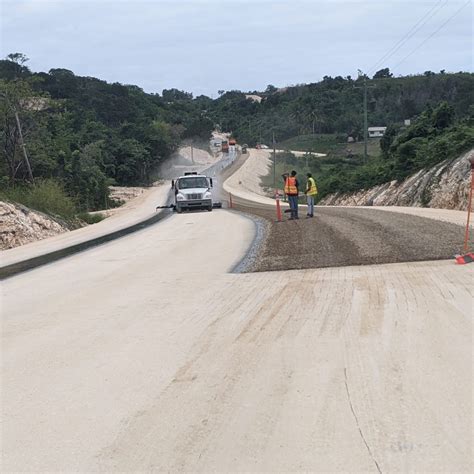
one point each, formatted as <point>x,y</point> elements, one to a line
<point>239,340</point>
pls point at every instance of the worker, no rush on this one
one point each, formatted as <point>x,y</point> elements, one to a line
<point>311,191</point>
<point>291,190</point>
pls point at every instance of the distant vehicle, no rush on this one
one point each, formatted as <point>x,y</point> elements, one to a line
<point>232,142</point>
<point>225,147</point>
<point>192,191</point>
<point>244,148</point>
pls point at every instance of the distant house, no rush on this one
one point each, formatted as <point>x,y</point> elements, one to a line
<point>376,132</point>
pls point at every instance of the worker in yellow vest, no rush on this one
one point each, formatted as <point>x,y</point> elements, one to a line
<point>292,191</point>
<point>311,191</point>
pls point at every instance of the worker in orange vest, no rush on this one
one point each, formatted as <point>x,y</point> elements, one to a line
<point>291,190</point>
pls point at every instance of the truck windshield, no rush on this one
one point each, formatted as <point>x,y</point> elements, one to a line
<point>193,182</point>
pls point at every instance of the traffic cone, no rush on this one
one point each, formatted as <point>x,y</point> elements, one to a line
<point>463,259</point>
<point>468,257</point>
<point>278,208</point>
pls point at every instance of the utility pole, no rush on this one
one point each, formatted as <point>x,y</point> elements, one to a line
<point>365,120</point>
<point>274,163</point>
<point>366,125</point>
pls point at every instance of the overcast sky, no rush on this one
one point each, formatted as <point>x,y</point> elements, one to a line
<point>206,45</point>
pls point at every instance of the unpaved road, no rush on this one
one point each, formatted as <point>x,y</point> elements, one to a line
<point>342,236</point>
<point>145,354</point>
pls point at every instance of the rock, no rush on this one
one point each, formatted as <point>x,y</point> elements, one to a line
<point>445,186</point>
<point>20,225</point>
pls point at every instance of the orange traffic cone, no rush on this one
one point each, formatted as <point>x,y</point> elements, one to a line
<point>468,257</point>
<point>278,208</point>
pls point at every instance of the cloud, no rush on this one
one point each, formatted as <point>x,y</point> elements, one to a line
<point>206,45</point>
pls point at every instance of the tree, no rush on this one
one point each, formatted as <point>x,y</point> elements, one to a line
<point>387,139</point>
<point>172,95</point>
<point>443,116</point>
<point>271,89</point>
<point>383,73</point>
<point>18,60</point>
<point>13,97</point>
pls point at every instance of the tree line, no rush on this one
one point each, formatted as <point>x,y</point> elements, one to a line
<point>335,105</point>
<point>85,133</point>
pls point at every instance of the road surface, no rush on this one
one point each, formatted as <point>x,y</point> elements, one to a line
<point>341,236</point>
<point>146,354</point>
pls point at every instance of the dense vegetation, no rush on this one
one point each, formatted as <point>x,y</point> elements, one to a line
<point>82,134</point>
<point>85,134</point>
<point>334,105</point>
<point>437,134</point>
<point>320,117</point>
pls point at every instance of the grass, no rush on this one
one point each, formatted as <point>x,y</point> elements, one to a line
<point>90,218</point>
<point>331,144</point>
<point>319,143</point>
<point>49,197</point>
<point>45,196</point>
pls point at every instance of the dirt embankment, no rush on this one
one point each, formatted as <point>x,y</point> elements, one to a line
<point>445,186</point>
<point>20,225</point>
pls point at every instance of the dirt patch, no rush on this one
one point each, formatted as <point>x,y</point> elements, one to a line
<point>124,194</point>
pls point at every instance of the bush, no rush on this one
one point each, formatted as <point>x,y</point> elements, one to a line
<point>91,218</point>
<point>46,196</point>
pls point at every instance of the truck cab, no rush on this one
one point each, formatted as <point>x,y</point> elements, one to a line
<point>192,191</point>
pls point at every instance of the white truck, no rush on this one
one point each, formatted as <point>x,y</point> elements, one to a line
<point>192,191</point>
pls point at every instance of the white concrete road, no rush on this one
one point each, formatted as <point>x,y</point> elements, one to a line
<point>137,210</point>
<point>145,354</point>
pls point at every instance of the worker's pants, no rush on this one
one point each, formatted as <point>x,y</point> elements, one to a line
<point>310,200</point>
<point>293,201</point>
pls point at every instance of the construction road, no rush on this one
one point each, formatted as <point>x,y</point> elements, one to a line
<point>148,354</point>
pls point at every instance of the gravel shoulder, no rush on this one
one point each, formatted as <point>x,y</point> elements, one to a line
<point>342,236</point>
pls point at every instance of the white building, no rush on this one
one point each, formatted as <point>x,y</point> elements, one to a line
<point>376,132</point>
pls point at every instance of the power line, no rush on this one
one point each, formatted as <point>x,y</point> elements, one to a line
<point>434,33</point>
<point>413,30</point>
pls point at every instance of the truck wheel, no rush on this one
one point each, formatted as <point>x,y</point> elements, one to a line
<point>209,208</point>
<point>179,210</point>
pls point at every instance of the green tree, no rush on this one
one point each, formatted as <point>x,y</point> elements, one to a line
<point>383,73</point>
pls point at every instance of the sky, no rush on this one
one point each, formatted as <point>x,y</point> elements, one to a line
<point>203,46</point>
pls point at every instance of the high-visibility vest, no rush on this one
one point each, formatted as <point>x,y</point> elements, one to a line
<point>313,190</point>
<point>290,186</point>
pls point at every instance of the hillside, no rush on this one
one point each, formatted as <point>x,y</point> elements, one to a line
<point>335,105</point>
<point>83,135</point>
<point>20,225</point>
<point>445,186</point>
<point>87,134</point>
